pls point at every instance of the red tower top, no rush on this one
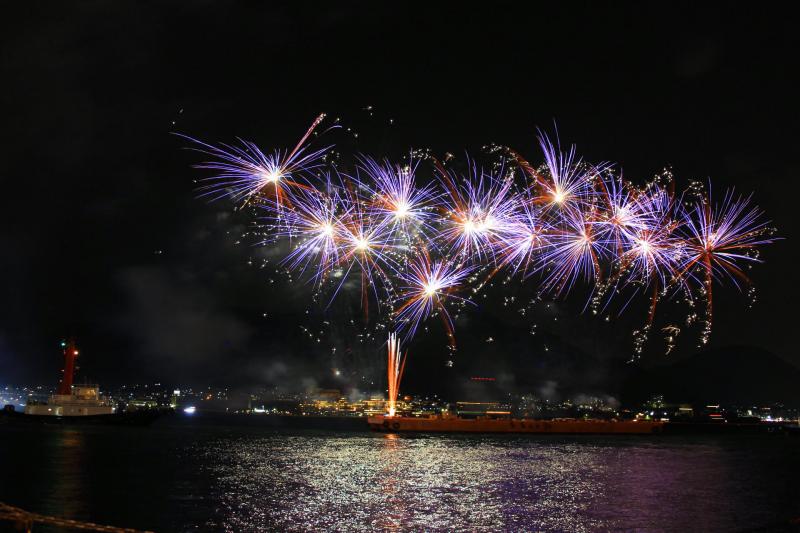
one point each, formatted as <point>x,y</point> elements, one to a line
<point>70,354</point>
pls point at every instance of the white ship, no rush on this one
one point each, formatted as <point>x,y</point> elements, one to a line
<point>71,400</point>
<point>83,400</point>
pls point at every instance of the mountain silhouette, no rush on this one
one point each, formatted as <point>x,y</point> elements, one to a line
<point>735,375</point>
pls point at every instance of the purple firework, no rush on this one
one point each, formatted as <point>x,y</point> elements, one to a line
<point>245,172</point>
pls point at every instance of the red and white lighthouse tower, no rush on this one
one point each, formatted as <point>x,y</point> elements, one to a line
<point>70,355</point>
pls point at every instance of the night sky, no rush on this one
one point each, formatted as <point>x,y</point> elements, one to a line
<point>103,237</point>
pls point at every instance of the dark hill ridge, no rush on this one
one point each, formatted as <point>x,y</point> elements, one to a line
<point>740,375</point>
<point>734,375</point>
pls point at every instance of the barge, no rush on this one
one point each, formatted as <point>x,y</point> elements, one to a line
<point>447,423</point>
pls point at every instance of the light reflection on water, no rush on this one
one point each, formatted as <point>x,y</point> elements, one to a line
<point>302,482</point>
<point>200,476</point>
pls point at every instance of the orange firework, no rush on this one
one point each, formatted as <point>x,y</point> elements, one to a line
<point>397,363</point>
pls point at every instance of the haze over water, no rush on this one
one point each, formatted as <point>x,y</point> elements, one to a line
<point>203,474</point>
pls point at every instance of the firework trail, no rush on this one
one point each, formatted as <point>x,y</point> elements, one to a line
<point>416,243</point>
<point>642,226</point>
<point>396,366</point>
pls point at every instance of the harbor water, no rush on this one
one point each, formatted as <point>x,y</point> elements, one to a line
<point>206,473</point>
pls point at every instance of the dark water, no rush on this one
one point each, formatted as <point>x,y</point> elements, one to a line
<point>199,474</point>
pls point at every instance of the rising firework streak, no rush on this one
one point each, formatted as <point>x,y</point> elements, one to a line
<point>396,365</point>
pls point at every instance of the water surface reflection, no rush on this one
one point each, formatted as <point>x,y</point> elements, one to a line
<point>485,484</point>
<point>190,476</point>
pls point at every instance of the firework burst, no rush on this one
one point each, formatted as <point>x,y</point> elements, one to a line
<point>428,285</point>
<point>480,212</point>
<point>576,250</point>
<point>244,173</point>
<point>567,184</point>
<point>314,223</point>
<point>526,238</point>
<point>416,242</point>
<point>720,241</point>
<point>397,201</point>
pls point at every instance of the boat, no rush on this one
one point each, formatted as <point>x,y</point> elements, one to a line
<point>449,423</point>
<point>76,403</point>
<point>71,400</point>
<point>488,422</point>
<point>81,400</point>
